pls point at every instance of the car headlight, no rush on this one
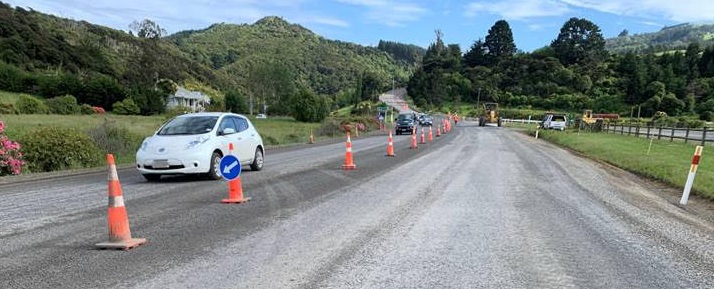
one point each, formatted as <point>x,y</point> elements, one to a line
<point>197,141</point>
<point>145,144</point>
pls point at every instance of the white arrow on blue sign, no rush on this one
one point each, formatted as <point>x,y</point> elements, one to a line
<point>230,167</point>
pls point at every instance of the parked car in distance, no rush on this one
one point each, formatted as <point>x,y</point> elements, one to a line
<point>261,115</point>
<point>405,122</point>
<point>195,143</point>
<point>555,121</point>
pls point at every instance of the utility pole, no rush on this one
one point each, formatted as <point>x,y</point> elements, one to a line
<point>478,99</point>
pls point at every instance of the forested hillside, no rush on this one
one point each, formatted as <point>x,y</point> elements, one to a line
<point>272,58</point>
<point>575,72</point>
<point>671,38</point>
<point>269,61</point>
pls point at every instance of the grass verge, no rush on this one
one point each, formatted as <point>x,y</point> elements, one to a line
<point>668,162</point>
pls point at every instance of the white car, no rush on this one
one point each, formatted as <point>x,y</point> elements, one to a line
<point>555,121</point>
<point>195,143</point>
<point>261,115</point>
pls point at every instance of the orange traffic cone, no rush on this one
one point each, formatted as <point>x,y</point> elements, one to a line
<point>235,187</point>
<point>349,164</point>
<point>438,130</point>
<point>390,145</point>
<point>431,135</point>
<point>235,192</point>
<point>422,140</point>
<point>119,233</point>
<point>414,141</point>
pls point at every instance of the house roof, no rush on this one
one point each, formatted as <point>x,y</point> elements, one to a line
<point>184,93</point>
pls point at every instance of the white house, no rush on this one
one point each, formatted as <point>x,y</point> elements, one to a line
<point>193,100</point>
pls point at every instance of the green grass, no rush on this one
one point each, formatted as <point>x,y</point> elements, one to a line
<point>668,162</point>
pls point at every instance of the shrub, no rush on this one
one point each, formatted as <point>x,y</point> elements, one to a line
<point>63,105</point>
<point>126,106</point>
<point>52,148</point>
<point>7,108</point>
<point>86,109</point>
<point>707,116</point>
<point>30,105</point>
<point>11,159</point>
<point>112,138</point>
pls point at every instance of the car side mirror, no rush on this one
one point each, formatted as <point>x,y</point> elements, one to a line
<point>227,131</point>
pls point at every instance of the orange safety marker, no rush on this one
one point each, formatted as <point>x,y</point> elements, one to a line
<point>235,187</point>
<point>422,140</point>
<point>312,138</point>
<point>431,135</point>
<point>414,140</point>
<point>349,163</point>
<point>692,174</point>
<point>119,233</point>
<point>438,130</point>
<point>390,145</point>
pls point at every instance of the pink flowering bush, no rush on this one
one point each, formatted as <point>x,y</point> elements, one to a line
<point>10,156</point>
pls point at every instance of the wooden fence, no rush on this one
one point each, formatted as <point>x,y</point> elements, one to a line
<point>700,135</point>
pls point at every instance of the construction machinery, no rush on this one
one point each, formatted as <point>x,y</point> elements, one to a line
<point>490,114</point>
<point>589,121</point>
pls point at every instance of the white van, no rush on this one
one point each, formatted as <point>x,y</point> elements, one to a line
<point>555,121</point>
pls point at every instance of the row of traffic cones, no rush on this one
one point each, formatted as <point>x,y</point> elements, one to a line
<point>349,160</point>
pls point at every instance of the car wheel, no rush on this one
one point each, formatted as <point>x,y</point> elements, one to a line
<point>257,160</point>
<point>214,172</point>
<point>152,177</point>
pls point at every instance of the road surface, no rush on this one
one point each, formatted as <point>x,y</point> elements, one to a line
<point>481,207</point>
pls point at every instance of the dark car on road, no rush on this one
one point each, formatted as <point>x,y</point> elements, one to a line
<point>405,122</point>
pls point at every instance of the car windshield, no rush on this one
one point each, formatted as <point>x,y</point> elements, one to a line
<point>404,117</point>
<point>189,125</point>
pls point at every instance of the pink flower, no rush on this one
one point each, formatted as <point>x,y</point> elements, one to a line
<point>2,126</point>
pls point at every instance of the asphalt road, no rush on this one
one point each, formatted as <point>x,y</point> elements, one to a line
<point>478,208</point>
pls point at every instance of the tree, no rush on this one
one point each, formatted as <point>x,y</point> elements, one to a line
<point>476,55</point>
<point>624,33</point>
<point>235,102</point>
<point>147,29</point>
<point>579,41</point>
<point>306,106</point>
<point>271,82</point>
<point>499,42</point>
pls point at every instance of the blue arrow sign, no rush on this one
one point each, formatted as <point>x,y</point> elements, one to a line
<point>230,167</point>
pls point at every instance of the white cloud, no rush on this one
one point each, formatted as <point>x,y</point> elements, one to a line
<point>679,11</point>
<point>517,9</point>
<point>390,13</point>
<point>328,21</point>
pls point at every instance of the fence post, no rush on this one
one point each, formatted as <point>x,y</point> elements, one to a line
<point>686,136</point>
<point>704,136</point>
<point>629,128</point>
<point>659,135</point>
<point>671,135</point>
<point>648,131</point>
<point>622,129</point>
<point>637,130</point>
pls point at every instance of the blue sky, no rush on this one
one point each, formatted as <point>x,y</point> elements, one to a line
<point>535,23</point>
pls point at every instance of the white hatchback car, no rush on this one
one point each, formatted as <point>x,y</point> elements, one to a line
<point>195,143</point>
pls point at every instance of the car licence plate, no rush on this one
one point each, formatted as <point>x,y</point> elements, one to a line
<point>160,164</point>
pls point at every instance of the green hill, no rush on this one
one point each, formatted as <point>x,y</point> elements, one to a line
<point>676,37</point>
<point>52,56</point>
<point>325,66</point>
